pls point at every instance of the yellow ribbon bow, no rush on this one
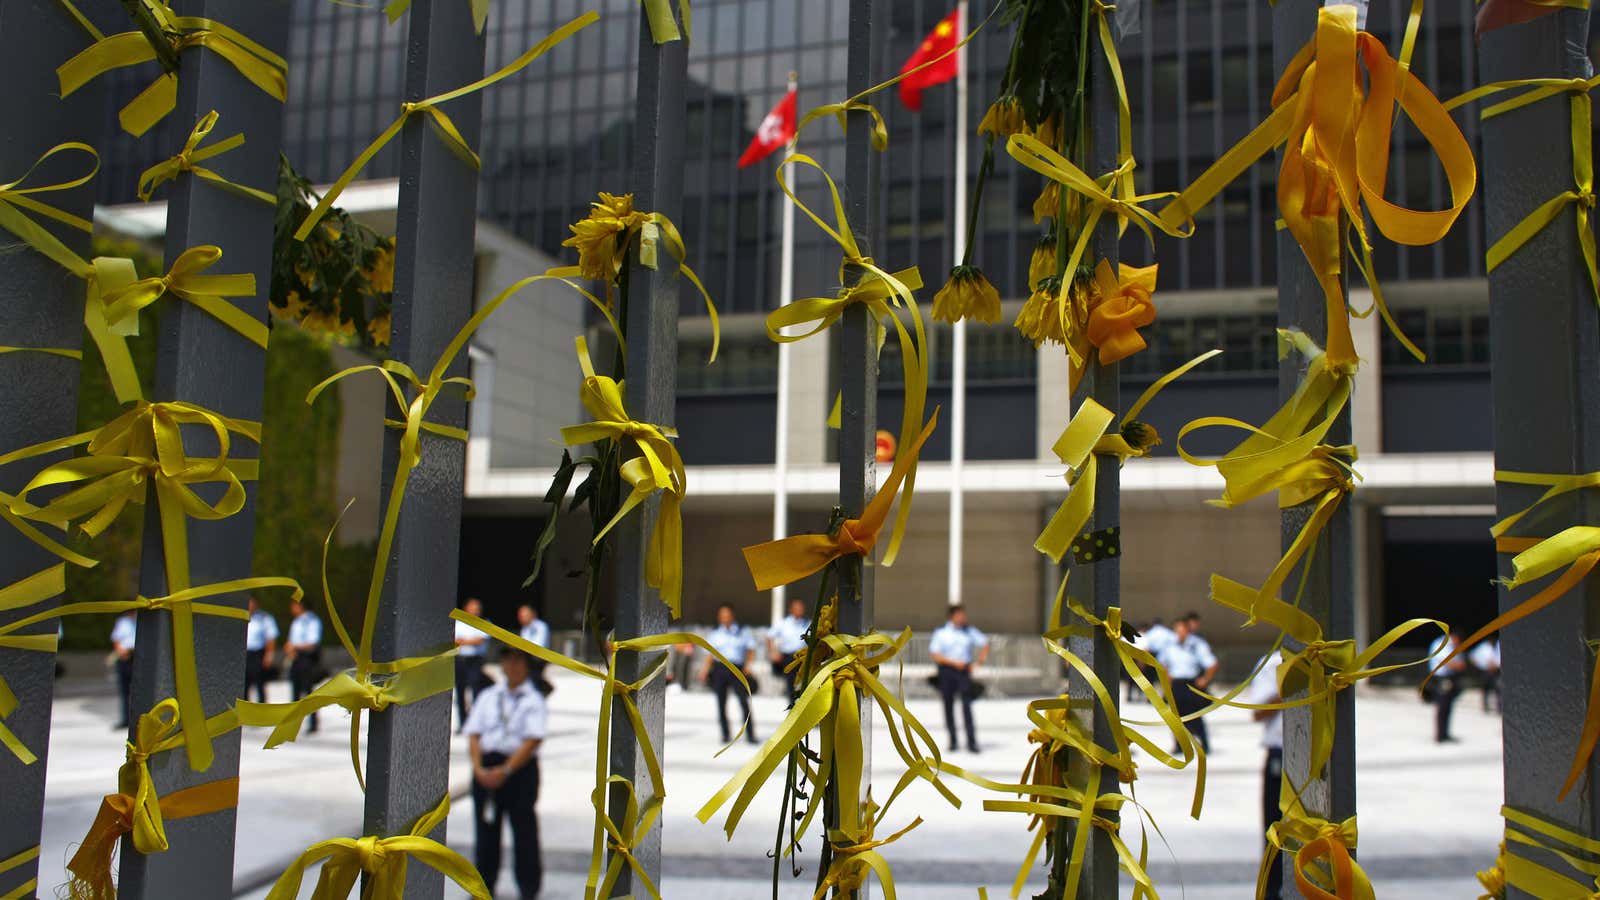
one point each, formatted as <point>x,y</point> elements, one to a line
<point>792,558</point>
<point>614,691</point>
<point>186,282</point>
<point>855,857</point>
<point>883,293</point>
<point>833,699</point>
<point>1121,308</point>
<point>657,468</point>
<point>1079,448</point>
<point>1336,158</point>
<point>621,840</point>
<point>1581,198</point>
<point>14,199</point>
<point>137,809</point>
<point>186,159</point>
<point>1538,880</point>
<point>383,862</point>
<point>441,122</point>
<point>143,447</point>
<point>265,69</point>
<point>1317,845</point>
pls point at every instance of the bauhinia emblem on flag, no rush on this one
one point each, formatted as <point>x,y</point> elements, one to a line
<point>775,130</point>
<point>942,40</point>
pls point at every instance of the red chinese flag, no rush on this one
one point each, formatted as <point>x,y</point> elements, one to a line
<point>776,130</point>
<point>942,40</point>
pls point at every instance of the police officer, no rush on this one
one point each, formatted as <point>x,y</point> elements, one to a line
<point>738,645</point>
<point>1485,657</point>
<point>1263,691</point>
<point>957,649</point>
<point>472,647</point>
<point>124,631</point>
<point>1189,661</point>
<point>1446,683</point>
<point>504,729</point>
<point>304,649</point>
<point>260,640</point>
<point>787,638</point>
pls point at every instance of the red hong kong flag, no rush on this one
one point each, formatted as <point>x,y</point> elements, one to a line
<point>941,40</point>
<point>776,130</point>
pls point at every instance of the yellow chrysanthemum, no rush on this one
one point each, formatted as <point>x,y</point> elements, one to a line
<point>1045,133</point>
<point>1003,118</point>
<point>381,275</point>
<point>1044,318</point>
<point>308,277</point>
<point>1048,204</point>
<point>293,309</point>
<point>1043,263</point>
<point>967,295</point>
<point>378,329</point>
<point>596,237</point>
<point>1493,879</point>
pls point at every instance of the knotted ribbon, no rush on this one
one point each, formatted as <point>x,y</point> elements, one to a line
<point>442,124</point>
<point>1317,844</point>
<point>137,809</point>
<point>621,840</point>
<point>854,857</point>
<point>186,282</point>
<point>1336,157</point>
<point>191,154</point>
<point>1120,309</point>
<point>14,199</point>
<point>792,558</point>
<point>658,467</point>
<point>383,861</point>
<point>265,69</point>
<point>144,447</point>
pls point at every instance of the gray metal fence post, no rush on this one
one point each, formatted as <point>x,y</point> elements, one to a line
<point>1098,585</point>
<point>202,361</point>
<point>38,392</point>
<point>652,371</point>
<point>1329,584</point>
<point>1545,358</point>
<point>408,755</point>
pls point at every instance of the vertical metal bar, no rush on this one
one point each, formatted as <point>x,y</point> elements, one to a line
<point>1545,358</point>
<point>1099,588</point>
<point>38,392</point>
<point>1328,594</point>
<point>652,366</point>
<point>408,754</point>
<point>202,361</point>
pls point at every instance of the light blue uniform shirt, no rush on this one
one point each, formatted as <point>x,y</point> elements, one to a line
<point>465,632</point>
<point>537,632</point>
<point>735,642</point>
<point>305,629</point>
<point>957,644</point>
<point>1156,639</point>
<point>789,635</point>
<point>261,629</point>
<point>1187,659</point>
<point>124,630</point>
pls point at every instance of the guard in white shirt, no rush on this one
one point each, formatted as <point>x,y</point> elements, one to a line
<point>505,728</point>
<point>787,638</point>
<point>123,634</point>
<point>1263,691</point>
<point>957,649</point>
<point>1446,684</point>
<point>738,645</point>
<point>1485,657</point>
<point>534,630</point>
<point>1189,661</point>
<point>260,640</point>
<point>304,649</point>
<point>472,646</point>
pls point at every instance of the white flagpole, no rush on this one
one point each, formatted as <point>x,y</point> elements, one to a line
<point>958,358</point>
<point>780,458</point>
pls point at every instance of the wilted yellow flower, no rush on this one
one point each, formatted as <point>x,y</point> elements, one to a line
<point>1048,204</point>
<point>1040,318</point>
<point>1043,263</point>
<point>381,275</point>
<point>378,329</point>
<point>1045,317</point>
<point>1045,133</point>
<point>967,295</point>
<point>1004,118</point>
<point>327,324</point>
<point>1494,878</point>
<point>308,277</point>
<point>1140,436</point>
<point>595,237</point>
<point>294,308</point>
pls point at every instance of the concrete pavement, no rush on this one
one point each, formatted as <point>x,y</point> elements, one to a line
<point>1429,816</point>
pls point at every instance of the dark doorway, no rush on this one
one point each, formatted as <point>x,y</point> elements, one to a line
<point>1438,567</point>
<point>495,561</point>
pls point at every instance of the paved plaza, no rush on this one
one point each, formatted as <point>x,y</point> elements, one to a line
<point>1428,821</point>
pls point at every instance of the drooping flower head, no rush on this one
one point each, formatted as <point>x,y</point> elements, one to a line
<point>1004,118</point>
<point>599,236</point>
<point>967,295</point>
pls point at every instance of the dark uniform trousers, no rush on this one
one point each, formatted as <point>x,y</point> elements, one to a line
<point>303,674</point>
<point>956,684</point>
<point>1271,813</point>
<point>514,801</point>
<point>255,674</point>
<point>723,683</point>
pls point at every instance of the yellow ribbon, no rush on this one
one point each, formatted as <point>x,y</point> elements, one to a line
<point>658,467</point>
<point>1539,880</point>
<point>856,856</point>
<point>394,9</point>
<point>45,643</point>
<point>441,122</point>
<point>145,446</point>
<point>25,889</point>
<point>16,199</point>
<point>186,282</point>
<point>663,27</point>
<point>106,275</point>
<point>137,809</point>
<point>832,699</point>
<point>1079,448</point>
<point>186,159</point>
<point>1581,198</point>
<point>265,69</point>
<point>792,558</point>
<point>883,293</point>
<point>622,840</point>
<point>1317,845</point>
<point>1337,143</point>
<point>383,862</point>
<point>1122,307</point>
